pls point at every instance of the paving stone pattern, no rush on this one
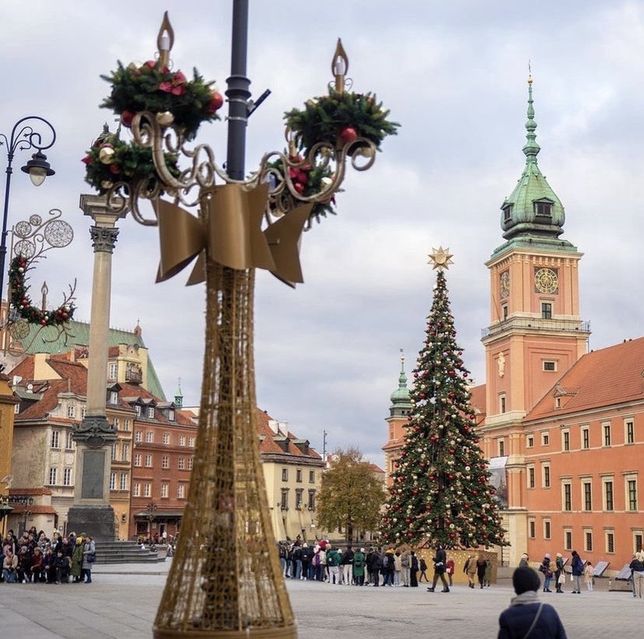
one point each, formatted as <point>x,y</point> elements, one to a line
<point>121,604</point>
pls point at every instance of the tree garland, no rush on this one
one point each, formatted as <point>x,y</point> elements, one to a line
<point>150,87</point>
<point>111,160</point>
<point>338,119</point>
<point>21,301</point>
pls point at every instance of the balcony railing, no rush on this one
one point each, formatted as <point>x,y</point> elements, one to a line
<point>536,324</point>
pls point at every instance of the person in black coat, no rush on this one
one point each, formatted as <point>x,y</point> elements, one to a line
<point>440,564</point>
<point>413,570</point>
<point>527,618</point>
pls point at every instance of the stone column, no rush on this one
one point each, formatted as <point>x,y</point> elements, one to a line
<point>92,512</point>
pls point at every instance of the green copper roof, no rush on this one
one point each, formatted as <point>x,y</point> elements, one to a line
<point>400,397</point>
<point>46,339</point>
<point>533,210</point>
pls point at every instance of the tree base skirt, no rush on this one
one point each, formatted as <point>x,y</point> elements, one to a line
<point>289,632</point>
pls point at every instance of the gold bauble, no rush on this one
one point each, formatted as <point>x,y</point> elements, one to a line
<point>107,184</point>
<point>106,154</point>
<point>165,118</point>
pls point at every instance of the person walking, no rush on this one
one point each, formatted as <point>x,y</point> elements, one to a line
<point>405,562</point>
<point>527,617</point>
<point>560,575</point>
<point>423,570</point>
<point>488,573</point>
<point>523,562</point>
<point>547,572</point>
<point>89,557</point>
<point>470,570</point>
<point>577,566</point>
<point>588,576</point>
<point>637,572</point>
<point>480,569</point>
<point>440,560</point>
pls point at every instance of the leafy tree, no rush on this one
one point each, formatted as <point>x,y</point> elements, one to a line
<point>351,495</point>
<point>440,491</point>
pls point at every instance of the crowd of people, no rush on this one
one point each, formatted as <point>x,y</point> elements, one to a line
<point>375,566</point>
<point>35,558</point>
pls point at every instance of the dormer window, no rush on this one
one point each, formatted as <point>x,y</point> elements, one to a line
<point>507,212</point>
<point>137,410</point>
<point>171,415</point>
<point>543,209</point>
<point>150,412</point>
<point>114,397</point>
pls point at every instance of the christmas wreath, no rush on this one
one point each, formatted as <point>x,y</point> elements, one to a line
<point>112,160</point>
<point>339,119</point>
<point>169,94</point>
<point>21,301</point>
<point>307,180</point>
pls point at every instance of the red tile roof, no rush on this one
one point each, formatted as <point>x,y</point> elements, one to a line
<point>601,378</point>
<point>268,445</point>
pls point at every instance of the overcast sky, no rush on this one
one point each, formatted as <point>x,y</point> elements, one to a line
<point>454,75</point>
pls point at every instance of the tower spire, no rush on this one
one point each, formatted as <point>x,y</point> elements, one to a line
<point>531,148</point>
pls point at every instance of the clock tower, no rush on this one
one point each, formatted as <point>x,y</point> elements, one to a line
<point>535,332</point>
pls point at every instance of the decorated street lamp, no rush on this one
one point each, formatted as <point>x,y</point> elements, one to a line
<point>226,580</point>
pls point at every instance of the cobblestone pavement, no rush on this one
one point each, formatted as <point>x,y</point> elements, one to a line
<point>120,604</point>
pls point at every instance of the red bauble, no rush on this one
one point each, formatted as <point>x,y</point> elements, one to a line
<point>299,187</point>
<point>126,118</point>
<point>115,169</point>
<point>216,102</point>
<point>347,135</point>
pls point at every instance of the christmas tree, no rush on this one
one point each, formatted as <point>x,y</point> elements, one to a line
<point>440,491</point>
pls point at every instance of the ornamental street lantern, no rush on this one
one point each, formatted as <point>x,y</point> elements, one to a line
<point>225,580</point>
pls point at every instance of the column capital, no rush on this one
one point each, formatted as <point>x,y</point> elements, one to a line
<point>95,432</point>
<point>95,206</point>
<point>103,238</point>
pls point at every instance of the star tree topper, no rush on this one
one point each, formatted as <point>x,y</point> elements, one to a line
<point>440,258</point>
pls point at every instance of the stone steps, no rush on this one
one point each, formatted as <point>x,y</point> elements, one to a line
<point>124,552</point>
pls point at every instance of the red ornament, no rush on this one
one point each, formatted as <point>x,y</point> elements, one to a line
<point>115,169</point>
<point>216,102</point>
<point>126,118</point>
<point>348,135</point>
<point>87,159</point>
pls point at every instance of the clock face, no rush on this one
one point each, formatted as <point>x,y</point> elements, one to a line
<point>504,284</point>
<point>546,280</point>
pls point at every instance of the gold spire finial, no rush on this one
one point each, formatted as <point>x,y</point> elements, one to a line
<point>165,40</point>
<point>339,66</point>
<point>440,258</point>
<point>529,72</point>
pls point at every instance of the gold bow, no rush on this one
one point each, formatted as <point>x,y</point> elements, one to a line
<point>230,234</point>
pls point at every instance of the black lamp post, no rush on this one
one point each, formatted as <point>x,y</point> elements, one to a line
<point>151,509</point>
<point>24,137</point>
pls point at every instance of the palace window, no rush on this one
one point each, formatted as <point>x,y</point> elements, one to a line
<point>565,439</point>
<point>311,504</point>
<point>532,528</point>
<point>123,481</point>
<point>112,371</point>
<point>138,437</point>
<point>587,491</point>
<point>298,498</point>
<point>171,415</point>
<point>148,461</point>
<point>507,213</point>
<point>149,437</point>
<point>629,431</point>
<point>545,439</point>
<point>501,447</point>
<point>190,462</point>
<point>165,490</point>
<point>150,412</point>
<point>147,489</point>
<point>530,476</point>
<point>55,439</point>
<point>114,397</point>
<point>566,488</point>
<point>166,438</point>
<point>181,463</point>
<point>546,310</point>
<point>606,429</point>
<point>137,459</point>
<point>311,476</point>
<point>608,494</point>
<point>298,475</point>
<point>588,541</point>
<point>181,491</point>
<point>284,499</point>
<point>67,477</point>
<point>284,474</point>
<point>112,481</point>
<point>165,462</point>
<point>549,366</point>
<point>506,313</point>
<point>137,410</point>
<point>71,410</point>
<point>546,528</point>
<point>543,209</point>
<point>182,440</point>
<point>585,437</point>
<point>136,489</point>
<point>113,452</point>
<point>502,403</point>
<point>546,475</point>
<point>529,441</point>
<point>610,541</point>
<point>567,539</point>
<point>631,494</point>
<point>125,452</point>
<point>638,540</point>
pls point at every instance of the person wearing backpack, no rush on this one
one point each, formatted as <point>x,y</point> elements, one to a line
<point>347,564</point>
<point>333,561</point>
<point>307,555</point>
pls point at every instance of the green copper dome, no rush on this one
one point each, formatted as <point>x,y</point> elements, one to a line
<point>400,400</point>
<point>533,211</point>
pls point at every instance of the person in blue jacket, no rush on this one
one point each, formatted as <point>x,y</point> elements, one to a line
<point>527,617</point>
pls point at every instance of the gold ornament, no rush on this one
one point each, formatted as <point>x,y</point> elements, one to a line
<point>440,257</point>
<point>106,154</point>
<point>165,118</point>
<point>107,184</point>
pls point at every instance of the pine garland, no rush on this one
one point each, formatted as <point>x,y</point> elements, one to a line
<point>21,301</point>
<point>150,87</point>
<point>323,119</point>
<point>112,160</point>
<point>440,489</point>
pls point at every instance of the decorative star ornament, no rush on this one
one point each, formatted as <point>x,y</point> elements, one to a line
<point>440,258</point>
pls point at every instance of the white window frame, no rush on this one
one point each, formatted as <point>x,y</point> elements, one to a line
<point>149,437</point>
<point>165,462</point>
<point>165,490</point>
<point>138,437</point>
<point>608,533</point>
<point>531,481</point>
<point>54,440</point>
<point>549,361</point>
<point>67,476</point>
<point>564,483</point>
<point>565,432</point>
<point>608,480</point>
<point>136,489</point>
<point>627,501</point>
<point>125,452</point>
<point>166,439</point>
<point>190,463</point>
<point>586,482</point>
<point>112,481</point>
<point>546,475</point>
<point>181,490</point>
<point>137,460</point>
<point>607,430</point>
<point>148,461</point>
<point>71,410</point>
<point>586,532</point>
<point>529,441</point>
<point>114,397</point>
<point>629,421</point>
<point>532,528</point>
<point>112,371</point>
<point>566,545</point>
<point>547,529</point>
<point>123,481</point>
<point>147,489</point>
<point>182,440</point>
<point>585,429</point>
<point>181,463</point>
<point>150,412</point>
